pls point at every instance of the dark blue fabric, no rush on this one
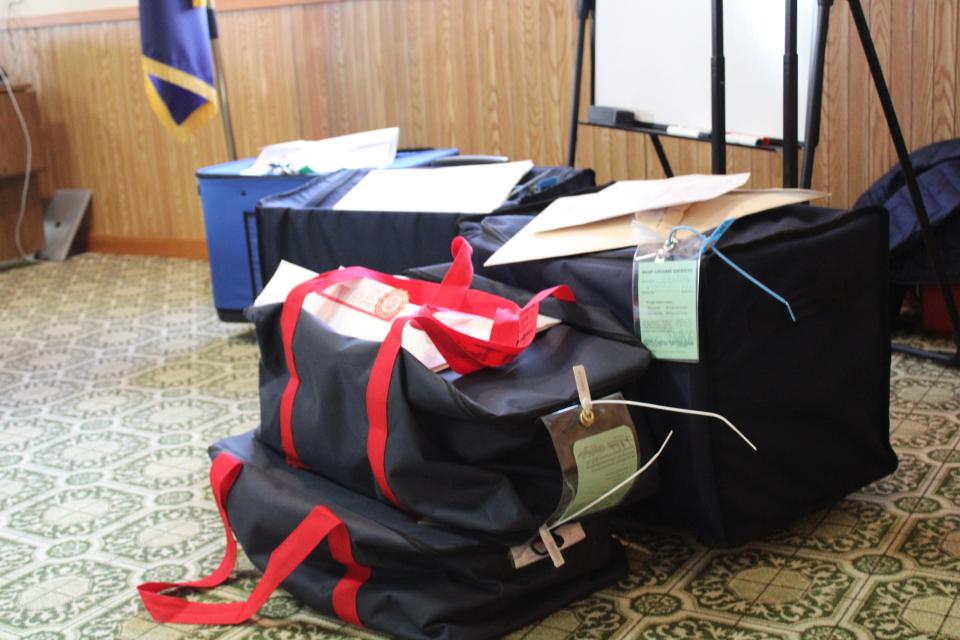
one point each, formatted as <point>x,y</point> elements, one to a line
<point>938,175</point>
<point>787,385</point>
<point>302,226</point>
<point>427,582</point>
<point>176,34</point>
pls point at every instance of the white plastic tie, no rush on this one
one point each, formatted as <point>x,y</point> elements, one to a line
<point>692,412</point>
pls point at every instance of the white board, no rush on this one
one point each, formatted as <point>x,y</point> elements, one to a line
<point>653,58</point>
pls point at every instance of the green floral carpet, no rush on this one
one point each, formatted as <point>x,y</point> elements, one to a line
<point>115,374</point>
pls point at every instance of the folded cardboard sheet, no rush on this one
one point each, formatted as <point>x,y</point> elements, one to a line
<point>556,232</point>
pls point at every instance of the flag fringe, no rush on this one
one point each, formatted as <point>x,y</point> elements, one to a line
<point>184,80</point>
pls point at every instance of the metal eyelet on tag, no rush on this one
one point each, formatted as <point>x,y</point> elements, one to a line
<point>587,418</point>
<point>668,246</point>
<point>597,449</point>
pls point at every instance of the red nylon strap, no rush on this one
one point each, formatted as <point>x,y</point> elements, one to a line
<point>289,318</point>
<point>455,285</point>
<point>319,524</point>
<point>378,388</point>
<point>513,330</point>
<point>456,282</point>
<point>453,290</point>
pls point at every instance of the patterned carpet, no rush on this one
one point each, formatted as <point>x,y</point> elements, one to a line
<point>115,374</point>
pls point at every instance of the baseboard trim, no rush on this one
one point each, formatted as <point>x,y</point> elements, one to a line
<point>148,246</point>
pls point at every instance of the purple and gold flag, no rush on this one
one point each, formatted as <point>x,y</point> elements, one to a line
<point>178,62</point>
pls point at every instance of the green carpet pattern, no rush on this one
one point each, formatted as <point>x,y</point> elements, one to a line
<point>115,374</point>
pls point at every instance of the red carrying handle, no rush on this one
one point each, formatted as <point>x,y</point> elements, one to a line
<point>513,330</point>
<point>320,524</point>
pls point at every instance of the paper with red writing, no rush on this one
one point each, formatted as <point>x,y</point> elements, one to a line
<point>365,309</point>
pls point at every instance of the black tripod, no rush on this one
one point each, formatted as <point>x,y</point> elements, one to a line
<point>896,134</point>
<point>815,98</point>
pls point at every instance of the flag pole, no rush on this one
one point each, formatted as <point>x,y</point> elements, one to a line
<point>221,83</point>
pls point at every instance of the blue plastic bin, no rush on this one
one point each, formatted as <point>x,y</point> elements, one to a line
<point>227,198</point>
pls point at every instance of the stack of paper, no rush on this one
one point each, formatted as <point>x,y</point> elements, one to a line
<point>639,211</point>
<point>368,149</point>
<point>478,188</point>
<point>365,308</point>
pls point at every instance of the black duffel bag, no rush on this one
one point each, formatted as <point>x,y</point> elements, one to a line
<point>303,226</point>
<point>466,446</point>
<point>371,565</point>
<point>813,395</point>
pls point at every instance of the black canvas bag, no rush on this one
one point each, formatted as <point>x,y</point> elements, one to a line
<point>302,226</point>
<point>813,395</point>
<point>468,450</point>
<point>372,565</point>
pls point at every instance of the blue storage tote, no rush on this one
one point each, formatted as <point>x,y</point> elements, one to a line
<point>227,197</point>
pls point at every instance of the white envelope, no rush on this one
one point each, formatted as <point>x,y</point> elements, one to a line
<point>478,188</point>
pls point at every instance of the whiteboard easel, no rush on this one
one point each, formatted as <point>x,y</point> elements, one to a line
<point>653,58</point>
<point>662,67</point>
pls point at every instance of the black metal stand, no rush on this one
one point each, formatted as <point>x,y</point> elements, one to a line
<point>903,156</point>
<point>815,92</point>
<point>661,155</point>
<point>790,141</point>
<point>584,9</point>
<point>790,98</point>
<point>718,95</point>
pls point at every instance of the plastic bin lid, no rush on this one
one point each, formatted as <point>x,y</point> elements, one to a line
<point>227,169</point>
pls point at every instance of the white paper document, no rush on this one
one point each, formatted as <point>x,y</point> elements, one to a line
<point>633,229</point>
<point>366,308</point>
<point>629,196</point>
<point>368,149</point>
<point>478,188</point>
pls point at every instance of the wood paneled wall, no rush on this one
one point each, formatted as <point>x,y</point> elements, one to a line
<point>488,76</point>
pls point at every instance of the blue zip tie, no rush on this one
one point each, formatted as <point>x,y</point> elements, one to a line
<point>709,244</point>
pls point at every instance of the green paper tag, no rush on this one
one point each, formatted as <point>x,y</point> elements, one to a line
<point>667,308</point>
<point>603,461</point>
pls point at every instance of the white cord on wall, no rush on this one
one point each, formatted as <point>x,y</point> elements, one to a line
<point>26,174</point>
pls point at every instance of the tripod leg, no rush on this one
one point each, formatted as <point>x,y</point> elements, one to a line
<point>933,246</point>
<point>815,96</point>
<point>718,95</point>
<point>790,97</point>
<point>661,155</point>
<point>584,8</point>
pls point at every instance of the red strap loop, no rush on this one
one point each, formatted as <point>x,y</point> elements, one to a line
<point>319,524</point>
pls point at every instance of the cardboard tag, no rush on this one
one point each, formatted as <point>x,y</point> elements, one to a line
<point>594,459</point>
<point>666,308</point>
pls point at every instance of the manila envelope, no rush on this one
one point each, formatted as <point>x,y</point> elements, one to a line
<point>643,227</point>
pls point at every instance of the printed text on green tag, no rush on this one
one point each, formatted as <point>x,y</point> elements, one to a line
<point>667,308</point>
<point>603,460</point>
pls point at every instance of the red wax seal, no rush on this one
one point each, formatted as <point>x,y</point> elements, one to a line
<point>391,304</point>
